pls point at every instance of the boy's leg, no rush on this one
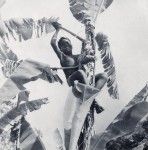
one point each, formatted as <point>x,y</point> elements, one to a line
<point>100,80</point>
<point>79,76</point>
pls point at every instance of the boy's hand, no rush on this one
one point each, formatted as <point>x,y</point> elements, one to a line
<point>56,25</point>
<point>101,40</point>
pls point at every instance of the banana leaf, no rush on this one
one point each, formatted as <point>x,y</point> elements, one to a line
<point>22,29</point>
<point>26,72</point>
<point>58,139</point>
<point>21,110</point>
<point>108,64</point>
<point>75,112</point>
<point>125,122</point>
<point>29,140</point>
<point>84,10</point>
<point>7,53</point>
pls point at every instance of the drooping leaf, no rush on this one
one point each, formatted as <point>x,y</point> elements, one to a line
<point>108,64</point>
<point>26,72</point>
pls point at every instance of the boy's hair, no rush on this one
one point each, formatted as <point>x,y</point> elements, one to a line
<point>60,42</point>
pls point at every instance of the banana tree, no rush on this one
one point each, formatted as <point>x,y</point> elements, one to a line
<point>86,11</point>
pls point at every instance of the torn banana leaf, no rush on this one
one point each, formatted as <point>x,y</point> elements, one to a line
<point>84,10</point>
<point>108,64</point>
<point>21,110</point>
<point>26,72</point>
<point>22,29</point>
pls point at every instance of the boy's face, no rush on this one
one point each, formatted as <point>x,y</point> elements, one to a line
<point>66,47</point>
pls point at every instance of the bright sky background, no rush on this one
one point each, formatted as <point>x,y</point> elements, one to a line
<point>126,24</point>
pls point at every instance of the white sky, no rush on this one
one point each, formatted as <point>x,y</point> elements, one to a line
<point>126,24</point>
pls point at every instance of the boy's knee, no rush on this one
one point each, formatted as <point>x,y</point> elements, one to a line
<point>100,76</point>
<point>82,78</point>
<point>100,80</point>
<point>79,76</point>
<point>81,73</point>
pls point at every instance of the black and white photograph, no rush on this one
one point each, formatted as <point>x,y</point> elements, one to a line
<point>73,75</point>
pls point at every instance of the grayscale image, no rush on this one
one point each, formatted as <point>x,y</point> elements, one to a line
<point>73,75</point>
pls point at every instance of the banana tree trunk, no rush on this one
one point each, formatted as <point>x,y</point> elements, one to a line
<point>84,139</point>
